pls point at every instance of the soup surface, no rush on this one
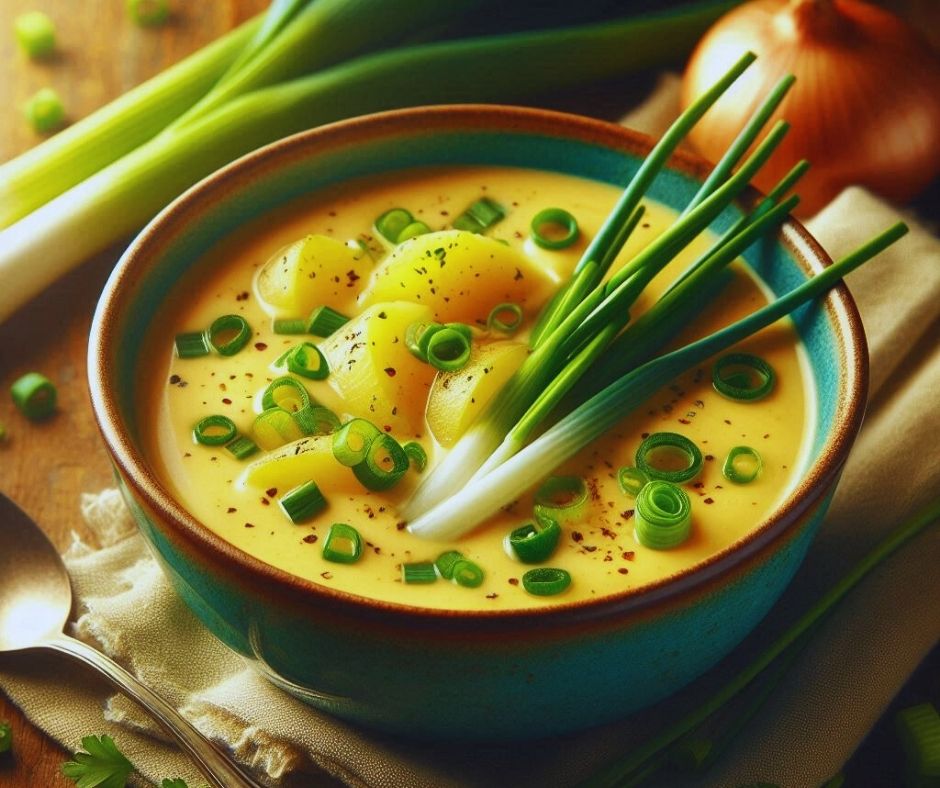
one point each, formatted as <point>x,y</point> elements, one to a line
<point>600,550</point>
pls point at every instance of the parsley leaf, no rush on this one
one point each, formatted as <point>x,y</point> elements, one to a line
<point>103,765</point>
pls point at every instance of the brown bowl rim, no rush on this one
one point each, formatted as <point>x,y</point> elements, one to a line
<point>184,529</point>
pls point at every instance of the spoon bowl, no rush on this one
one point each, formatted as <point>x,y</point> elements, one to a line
<point>35,601</point>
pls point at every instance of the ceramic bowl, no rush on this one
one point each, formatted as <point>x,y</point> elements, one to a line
<point>432,673</point>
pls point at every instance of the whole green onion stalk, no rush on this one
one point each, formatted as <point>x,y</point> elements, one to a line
<point>58,221</point>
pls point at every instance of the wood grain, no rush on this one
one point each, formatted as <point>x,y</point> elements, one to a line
<point>44,467</point>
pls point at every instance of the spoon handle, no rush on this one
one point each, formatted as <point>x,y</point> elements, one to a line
<point>215,766</point>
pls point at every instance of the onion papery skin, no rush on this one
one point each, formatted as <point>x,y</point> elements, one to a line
<point>865,108</point>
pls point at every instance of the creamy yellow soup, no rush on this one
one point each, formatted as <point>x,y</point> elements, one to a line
<point>601,551</point>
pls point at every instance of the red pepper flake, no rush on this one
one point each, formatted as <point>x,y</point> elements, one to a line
<point>594,489</point>
<point>265,502</point>
<point>513,581</point>
<point>326,575</point>
<point>226,401</point>
<point>608,533</point>
<point>387,428</point>
<point>709,500</point>
<point>249,525</point>
<point>242,296</point>
<point>727,421</point>
<point>684,421</point>
<point>644,435</point>
<point>310,538</point>
<point>623,570</point>
<point>390,371</point>
<point>767,435</point>
<point>626,514</point>
<point>698,485</point>
<point>492,595</point>
<point>709,457</point>
<point>699,404</point>
<point>401,525</point>
<point>231,510</point>
<point>577,536</point>
<point>589,548</point>
<point>174,379</point>
<point>353,278</point>
<point>629,555</point>
<point>260,346</point>
<point>518,276</point>
<point>271,492</point>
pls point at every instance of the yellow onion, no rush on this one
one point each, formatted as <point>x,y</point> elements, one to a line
<point>865,108</point>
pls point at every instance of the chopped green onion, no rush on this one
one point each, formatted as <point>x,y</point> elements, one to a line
<point>505,318</point>
<point>343,544</point>
<point>302,502</point>
<point>652,449</point>
<point>34,395</point>
<point>6,737</point>
<point>384,464</point>
<point>918,728</point>
<point>274,427</point>
<point>418,336</point>
<point>44,110</point>
<point>445,563</point>
<point>149,13</point>
<point>242,447</point>
<point>742,376</point>
<point>317,420</point>
<point>214,430</point>
<point>562,498</point>
<point>448,349</point>
<point>418,572</point>
<point>742,465</point>
<point>466,573</point>
<point>534,543</point>
<point>631,480</point>
<point>561,226</point>
<point>413,230</point>
<point>290,325</point>
<point>324,320</point>
<point>351,443</point>
<point>307,360</point>
<point>287,393</point>
<point>479,216</point>
<point>191,344</point>
<point>461,328</point>
<point>35,33</point>
<point>391,223</point>
<point>546,581</point>
<point>416,455</point>
<point>663,515</point>
<point>228,334</point>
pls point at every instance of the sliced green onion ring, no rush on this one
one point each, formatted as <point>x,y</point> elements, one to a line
<point>192,344</point>
<point>420,572</point>
<point>417,337</point>
<point>561,498</point>
<point>242,447</point>
<point>416,455</point>
<point>390,224</point>
<point>214,430</point>
<point>559,220</point>
<point>228,334</point>
<point>302,502</point>
<point>467,573</point>
<point>445,563</point>
<point>317,420</point>
<point>384,464</point>
<point>287,393</point>
<point>663,515</point>
<point>34,395</point>
<point>343,545</point>
<point>274,427</point>
<point>631,480</point>
<point>412,230</point>
<point>546,581</point>
<point>742,465</point>
<point>505,318</point>
<point>324,320</point>
<point>308,361</point>
<point>351,442</point>
<point>675,444</point>
<point>448,349</point>
<point>290,325</point>
<point>534,542</point>
<point>742,376</point>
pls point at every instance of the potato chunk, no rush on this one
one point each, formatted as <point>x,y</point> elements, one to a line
<point>373,371</point>
<point>457,397</point>
<point>300,461</point>
<point>310,272</point>
<point>460,276</point>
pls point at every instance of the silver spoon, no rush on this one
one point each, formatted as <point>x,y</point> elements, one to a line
<point>35,601</point>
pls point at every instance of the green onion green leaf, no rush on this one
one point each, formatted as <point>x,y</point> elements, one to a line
<point>343,544</point>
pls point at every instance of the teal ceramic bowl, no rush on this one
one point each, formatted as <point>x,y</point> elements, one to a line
<point>430,673</point>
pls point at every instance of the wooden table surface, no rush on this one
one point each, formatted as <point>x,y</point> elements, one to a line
<point>44,467</point>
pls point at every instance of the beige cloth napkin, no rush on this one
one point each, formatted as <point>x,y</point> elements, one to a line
<point>824,706</point>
